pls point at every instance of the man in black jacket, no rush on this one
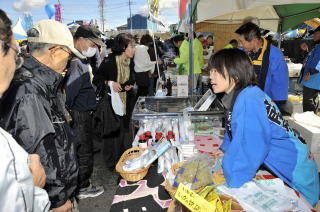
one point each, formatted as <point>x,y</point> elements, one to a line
<point>81,102</point>
<point>33,113</point>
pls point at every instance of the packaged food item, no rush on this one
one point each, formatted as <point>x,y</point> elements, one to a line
<point>161,164</point>
<point>158,151</point>
<point>133,165</point>
<point>196,172</point>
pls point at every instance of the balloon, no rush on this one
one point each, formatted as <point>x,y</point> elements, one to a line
<point>50,10</point>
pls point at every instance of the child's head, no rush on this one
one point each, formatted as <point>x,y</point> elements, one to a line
<point>230,68</point>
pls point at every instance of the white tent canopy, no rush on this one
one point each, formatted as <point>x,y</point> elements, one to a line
<point>234,11</point>
<point>19,31</point>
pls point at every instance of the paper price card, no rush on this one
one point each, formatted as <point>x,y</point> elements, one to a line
<point>193,201</point>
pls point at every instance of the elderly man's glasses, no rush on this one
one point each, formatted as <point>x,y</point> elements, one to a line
<point>18,58</point>
<point>63,49</point>
<point>70,53</point>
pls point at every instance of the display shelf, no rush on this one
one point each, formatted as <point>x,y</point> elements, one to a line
<point>153,107</point>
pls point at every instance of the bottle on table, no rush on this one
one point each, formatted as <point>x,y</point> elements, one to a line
<point>142,142</point>
<point>148,137</point>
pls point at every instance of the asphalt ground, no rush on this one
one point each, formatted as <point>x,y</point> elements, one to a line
<point>100,176</point>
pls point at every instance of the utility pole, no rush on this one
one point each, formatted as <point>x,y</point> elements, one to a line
<point>130,16</point>
<point>102,5</point>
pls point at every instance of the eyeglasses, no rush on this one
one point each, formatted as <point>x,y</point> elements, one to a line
<point>70,53</point>
<point>63,49</point>
<point>18,59</point>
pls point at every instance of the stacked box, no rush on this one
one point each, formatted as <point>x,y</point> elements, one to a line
<point>312,137</point>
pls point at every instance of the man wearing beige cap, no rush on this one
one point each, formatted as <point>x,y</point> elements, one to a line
<point>33,113</point>
<point>81,102</point>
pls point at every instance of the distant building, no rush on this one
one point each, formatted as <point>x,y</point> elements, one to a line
<point>138,22</point>
<point>141,22</point>
<point>122,27</point>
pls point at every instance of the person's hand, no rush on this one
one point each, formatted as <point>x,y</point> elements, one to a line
<point>116,87</point>
<point>306,77</point>
<point>160,62</point>
<point>218,153</point>
<point>67,207</point>
<point>128,87</point>
<point>37,171</point>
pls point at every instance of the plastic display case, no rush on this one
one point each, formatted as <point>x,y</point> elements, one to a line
<point>154,107</point>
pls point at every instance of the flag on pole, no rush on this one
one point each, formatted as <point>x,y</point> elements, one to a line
<point>58,12</point>
<point>154,8</point>
<point>154,12</point>
<point>182,7</point>
<point>187,13</point>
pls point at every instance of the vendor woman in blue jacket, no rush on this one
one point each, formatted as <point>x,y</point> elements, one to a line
<point>256,134</point>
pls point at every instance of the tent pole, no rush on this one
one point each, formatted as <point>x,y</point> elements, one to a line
<point>154,43</point>
<point>280,32</point>
<point>190,33</point>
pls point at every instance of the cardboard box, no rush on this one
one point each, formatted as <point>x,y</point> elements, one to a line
<point>293,107</point>
<point>310,134</point>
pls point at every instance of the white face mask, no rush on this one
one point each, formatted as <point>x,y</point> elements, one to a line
<point>90,52</point>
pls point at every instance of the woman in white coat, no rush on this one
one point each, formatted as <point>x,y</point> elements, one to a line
<point>143,65</point>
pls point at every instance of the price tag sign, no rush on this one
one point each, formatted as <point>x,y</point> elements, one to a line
<point>193,201</point>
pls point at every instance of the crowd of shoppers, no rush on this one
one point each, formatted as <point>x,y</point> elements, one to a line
<point>48,157</point>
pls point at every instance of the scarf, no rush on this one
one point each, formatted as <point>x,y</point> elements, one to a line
<point>123,75</point>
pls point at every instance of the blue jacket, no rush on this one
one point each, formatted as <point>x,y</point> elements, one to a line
<point>276,85</point>
<point>261,136</point>
<point>80,92</point>
<point>313,62</point>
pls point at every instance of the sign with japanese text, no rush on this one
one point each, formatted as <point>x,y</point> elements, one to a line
<point>193,201</point>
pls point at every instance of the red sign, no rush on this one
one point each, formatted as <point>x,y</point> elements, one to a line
<point>58,12</point>
<point>182,7</point>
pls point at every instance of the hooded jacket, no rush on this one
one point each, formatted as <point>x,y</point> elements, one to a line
<point>33,113</point>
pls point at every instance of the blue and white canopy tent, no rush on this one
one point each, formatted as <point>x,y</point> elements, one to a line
<point>19,31</point>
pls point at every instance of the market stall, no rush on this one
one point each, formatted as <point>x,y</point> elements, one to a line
<point>174,139</point>
<point>225,17</point>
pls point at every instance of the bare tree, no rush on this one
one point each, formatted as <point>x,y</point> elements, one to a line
<point>102,6</point>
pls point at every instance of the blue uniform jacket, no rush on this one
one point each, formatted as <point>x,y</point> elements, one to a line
<point>277,79</point>
<point>261,136</point>
<point>313,62</point>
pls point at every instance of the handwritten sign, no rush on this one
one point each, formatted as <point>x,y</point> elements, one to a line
<point>193,201</point>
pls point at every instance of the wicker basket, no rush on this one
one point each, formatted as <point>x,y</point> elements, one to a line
<point>135,175</point>
<point>175,206</point>
<point>170,189</point>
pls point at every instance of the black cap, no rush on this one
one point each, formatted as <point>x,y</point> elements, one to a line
<point>90,32</point>
<point>313,31</point>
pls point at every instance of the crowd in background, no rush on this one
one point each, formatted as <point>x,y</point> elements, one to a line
<point>58,100</point>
